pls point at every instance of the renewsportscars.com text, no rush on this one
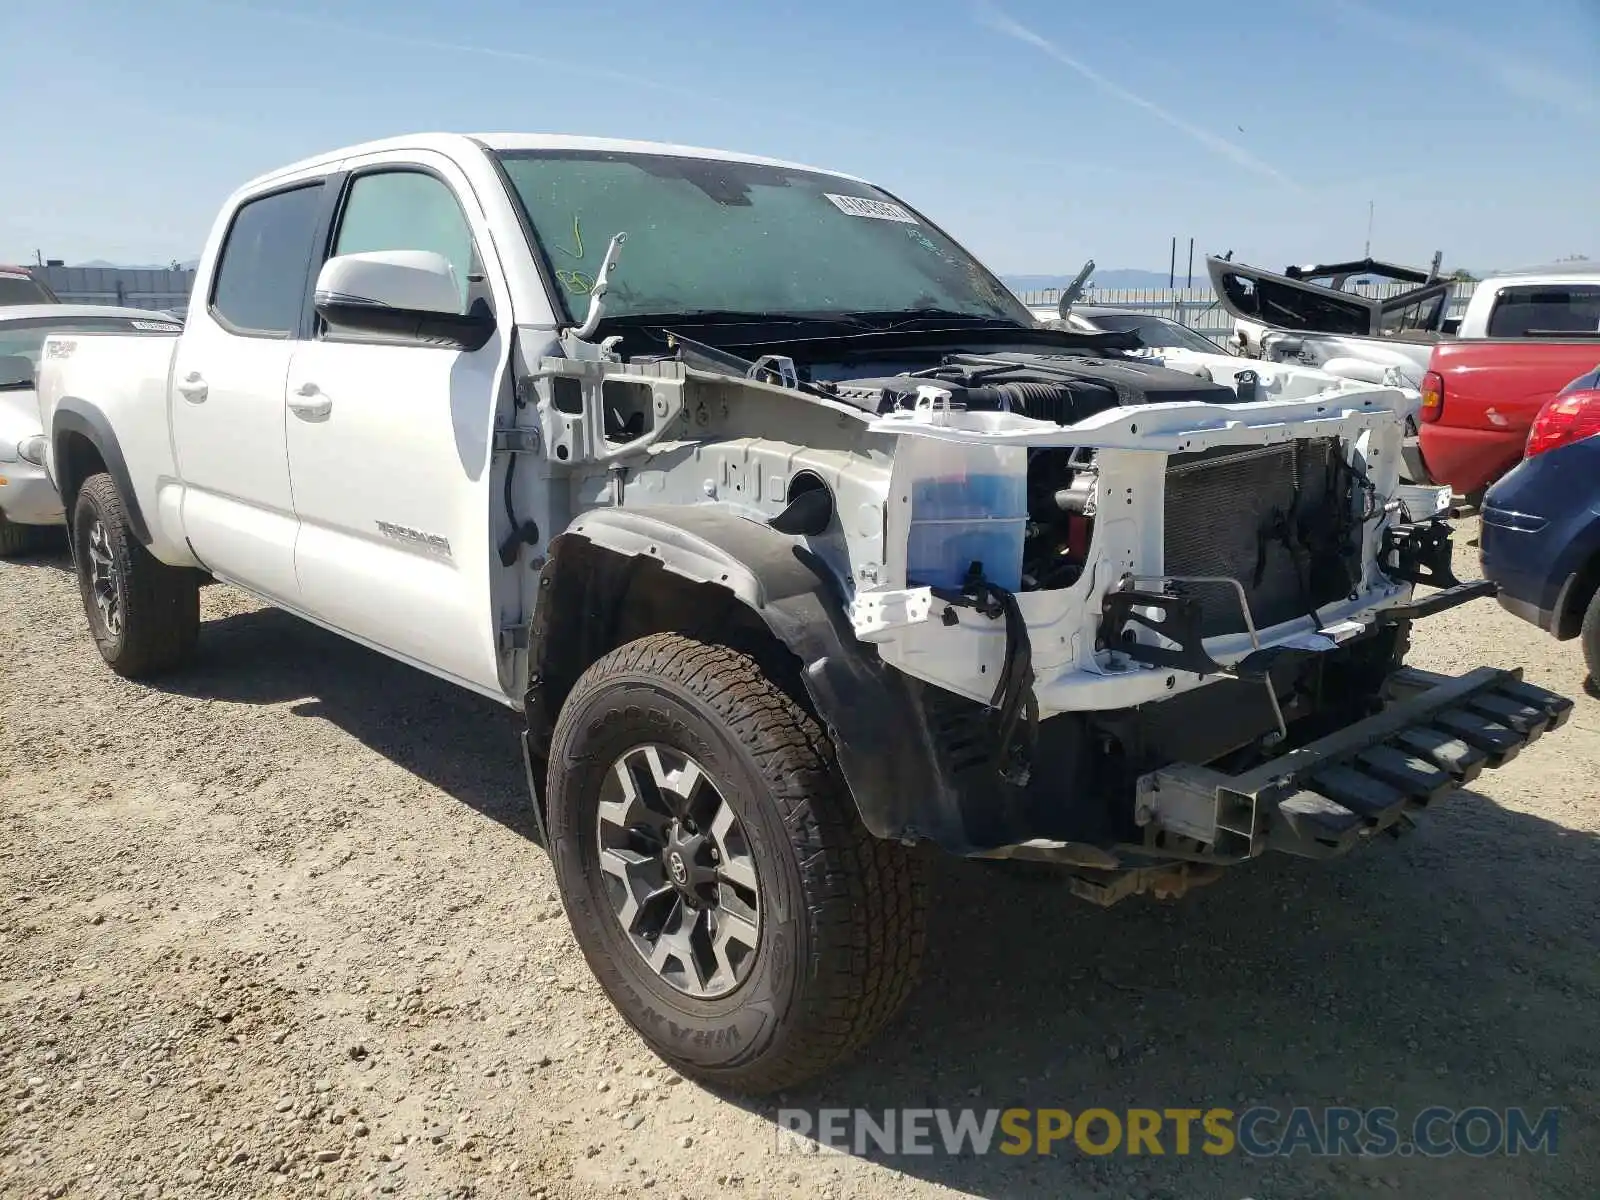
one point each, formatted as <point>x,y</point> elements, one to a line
<point>1260,1131</point>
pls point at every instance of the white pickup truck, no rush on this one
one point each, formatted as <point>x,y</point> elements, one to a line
<point>795,541</point>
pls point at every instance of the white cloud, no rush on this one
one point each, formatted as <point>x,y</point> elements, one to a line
<point>1221,146</point>
<point>1516,76</point>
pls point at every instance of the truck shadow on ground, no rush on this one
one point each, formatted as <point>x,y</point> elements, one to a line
<point>462,743</point>
<point>1454,967</point>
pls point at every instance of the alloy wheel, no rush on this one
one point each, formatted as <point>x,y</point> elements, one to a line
<point>678,871</point>
<point>105,581</point>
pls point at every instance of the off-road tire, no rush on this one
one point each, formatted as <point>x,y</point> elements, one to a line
<point>1590,636</point>
<point>160,605</point>
<point>15,539</point>
<point>844,914</point>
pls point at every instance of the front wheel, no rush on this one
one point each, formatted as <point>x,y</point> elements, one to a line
<point>145,615</point>
<point>717,877</point>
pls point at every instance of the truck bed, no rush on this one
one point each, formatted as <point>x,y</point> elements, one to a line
<point>129,376</point>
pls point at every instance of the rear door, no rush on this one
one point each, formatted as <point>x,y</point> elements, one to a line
<point>389,438</point>
<point>227,399</point>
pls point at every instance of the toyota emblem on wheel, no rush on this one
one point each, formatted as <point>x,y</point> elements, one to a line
<point>680,873</point>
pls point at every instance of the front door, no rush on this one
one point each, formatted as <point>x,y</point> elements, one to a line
<point>228,393</point>
<point>389,442</point>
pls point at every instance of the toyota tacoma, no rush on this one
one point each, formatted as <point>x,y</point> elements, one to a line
<point>795,541</point>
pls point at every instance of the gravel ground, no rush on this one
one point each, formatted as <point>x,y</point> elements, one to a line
<point>277,925</point>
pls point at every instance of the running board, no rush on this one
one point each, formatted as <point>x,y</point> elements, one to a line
<point>1319,800</point>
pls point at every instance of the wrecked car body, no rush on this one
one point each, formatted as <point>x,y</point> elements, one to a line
<point>1074,576</point>
<point>1307,315</point>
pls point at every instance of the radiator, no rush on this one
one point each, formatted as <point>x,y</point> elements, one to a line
<point>1263,516</point>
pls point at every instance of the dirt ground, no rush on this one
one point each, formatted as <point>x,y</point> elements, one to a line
<point>277,926</point>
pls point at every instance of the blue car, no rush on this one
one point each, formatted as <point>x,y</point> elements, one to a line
<point>1541,523</point>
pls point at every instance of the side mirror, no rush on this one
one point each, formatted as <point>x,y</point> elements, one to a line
<point>16,370</point>
<point>411,294</point>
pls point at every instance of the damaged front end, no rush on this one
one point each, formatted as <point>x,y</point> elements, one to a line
<point>1056,604</point>
<point>1190,651</point>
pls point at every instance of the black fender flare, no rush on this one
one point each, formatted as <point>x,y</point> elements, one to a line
<point>75,416</point>
<point>881,734</point>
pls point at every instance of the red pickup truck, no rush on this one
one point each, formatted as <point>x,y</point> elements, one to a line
<point>1523,338</point>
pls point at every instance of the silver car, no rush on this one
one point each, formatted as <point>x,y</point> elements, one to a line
<point>28,500</point>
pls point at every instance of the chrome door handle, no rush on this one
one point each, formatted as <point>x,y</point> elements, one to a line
<point>193,388</point>
<point>309,404</point>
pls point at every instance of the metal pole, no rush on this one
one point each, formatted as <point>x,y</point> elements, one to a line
<point>1172,266</point>
<point>1190,283</point>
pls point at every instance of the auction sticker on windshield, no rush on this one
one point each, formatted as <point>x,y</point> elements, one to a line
<point>860,206</point>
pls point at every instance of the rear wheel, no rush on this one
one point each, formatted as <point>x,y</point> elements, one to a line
<point>717,877</point>
<point>145,615</point>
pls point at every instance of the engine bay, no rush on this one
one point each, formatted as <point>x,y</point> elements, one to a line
<point>1062,388</point>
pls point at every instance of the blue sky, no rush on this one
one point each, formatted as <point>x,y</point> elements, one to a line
<point>1039,132</point>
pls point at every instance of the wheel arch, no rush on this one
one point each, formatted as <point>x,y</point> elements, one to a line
<point>620,574</point>
<point>84,444</point>
<point>1576,594</point>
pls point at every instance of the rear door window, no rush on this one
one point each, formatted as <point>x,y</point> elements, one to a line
<point>1546,310</point>
<point>260,286</point>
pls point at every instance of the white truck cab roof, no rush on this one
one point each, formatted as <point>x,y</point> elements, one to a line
<point>459,144</point>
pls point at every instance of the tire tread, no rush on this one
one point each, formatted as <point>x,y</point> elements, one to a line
<point>161,613</point>
<point>866,900</point>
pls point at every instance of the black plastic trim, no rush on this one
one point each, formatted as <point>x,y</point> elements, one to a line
<point>882,737</point>
<point>81,417</point>
<point>1418,553</point>
<point>410,327</point>
<point>321,246</point>
<point>1181,620</point>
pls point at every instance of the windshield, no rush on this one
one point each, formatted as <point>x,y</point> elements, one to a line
<point>711,236</point>
<point>24,339</point>
<point>1154,332</point>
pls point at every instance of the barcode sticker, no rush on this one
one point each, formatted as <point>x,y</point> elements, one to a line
<point>860,206</point>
